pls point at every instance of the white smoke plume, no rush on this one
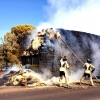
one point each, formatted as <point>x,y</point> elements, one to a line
<point>80,15</point>
<point>47,77</point>
<point>96,57</point>
<point>75,76</point>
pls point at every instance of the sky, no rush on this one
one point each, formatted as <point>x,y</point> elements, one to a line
<point>16,12</point>
<point>80,15</point>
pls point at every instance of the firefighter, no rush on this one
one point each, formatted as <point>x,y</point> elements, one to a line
<point>89,69</point>
<point>63,70</point>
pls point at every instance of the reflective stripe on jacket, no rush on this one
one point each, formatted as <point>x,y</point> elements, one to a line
<point>88,68</point>
<point>64,65</point>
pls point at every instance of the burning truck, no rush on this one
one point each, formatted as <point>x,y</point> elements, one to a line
<point>45,51</point>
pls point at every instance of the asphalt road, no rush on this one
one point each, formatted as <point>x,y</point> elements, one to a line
<point>49,93</point>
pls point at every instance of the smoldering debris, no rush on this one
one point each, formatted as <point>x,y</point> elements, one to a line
<point>26,77</point>
<point>29,78</point>
<point>21,78</point>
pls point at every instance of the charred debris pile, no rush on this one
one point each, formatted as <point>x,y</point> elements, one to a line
<point>46,49</point>
<point>16,76</point>
<point>20,78</point>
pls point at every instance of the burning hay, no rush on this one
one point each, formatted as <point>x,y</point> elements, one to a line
<point>50,45</point>
<point>22,78</point>
<point>27,77</point>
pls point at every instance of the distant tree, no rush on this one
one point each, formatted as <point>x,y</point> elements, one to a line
<point>23,32</point>
<point>15,42</point>
<point>12,49</point>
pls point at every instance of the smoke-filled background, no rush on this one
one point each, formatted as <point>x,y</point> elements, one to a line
<point>77,22</point>
<point>75,45</point>
<point>71,18</point>
<point>78,15</point>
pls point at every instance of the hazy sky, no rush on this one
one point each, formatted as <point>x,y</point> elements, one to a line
<point>80,15</point>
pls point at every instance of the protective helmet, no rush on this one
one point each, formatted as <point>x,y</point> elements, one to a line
<point>64,58</point>
<point>88,61</point>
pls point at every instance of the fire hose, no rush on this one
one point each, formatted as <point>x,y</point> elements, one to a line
<point>74,55</point>
<point>72,51</point>
<point>59,48</point>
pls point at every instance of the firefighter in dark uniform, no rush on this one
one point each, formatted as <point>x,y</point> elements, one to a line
<point>63,70</point>
<point>89,69</point>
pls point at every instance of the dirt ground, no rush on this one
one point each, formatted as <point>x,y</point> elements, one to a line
<point>73,86</point>
<point>77,92</point>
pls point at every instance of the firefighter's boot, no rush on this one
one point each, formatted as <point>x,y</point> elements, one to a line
<point>82,79</point>
<point>91,81</point>
<point>67,81</point>
<point>60,82</point>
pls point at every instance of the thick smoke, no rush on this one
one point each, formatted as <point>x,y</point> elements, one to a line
<point>96,57</point>
<point>83,45</point>
<point>80,15</point>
